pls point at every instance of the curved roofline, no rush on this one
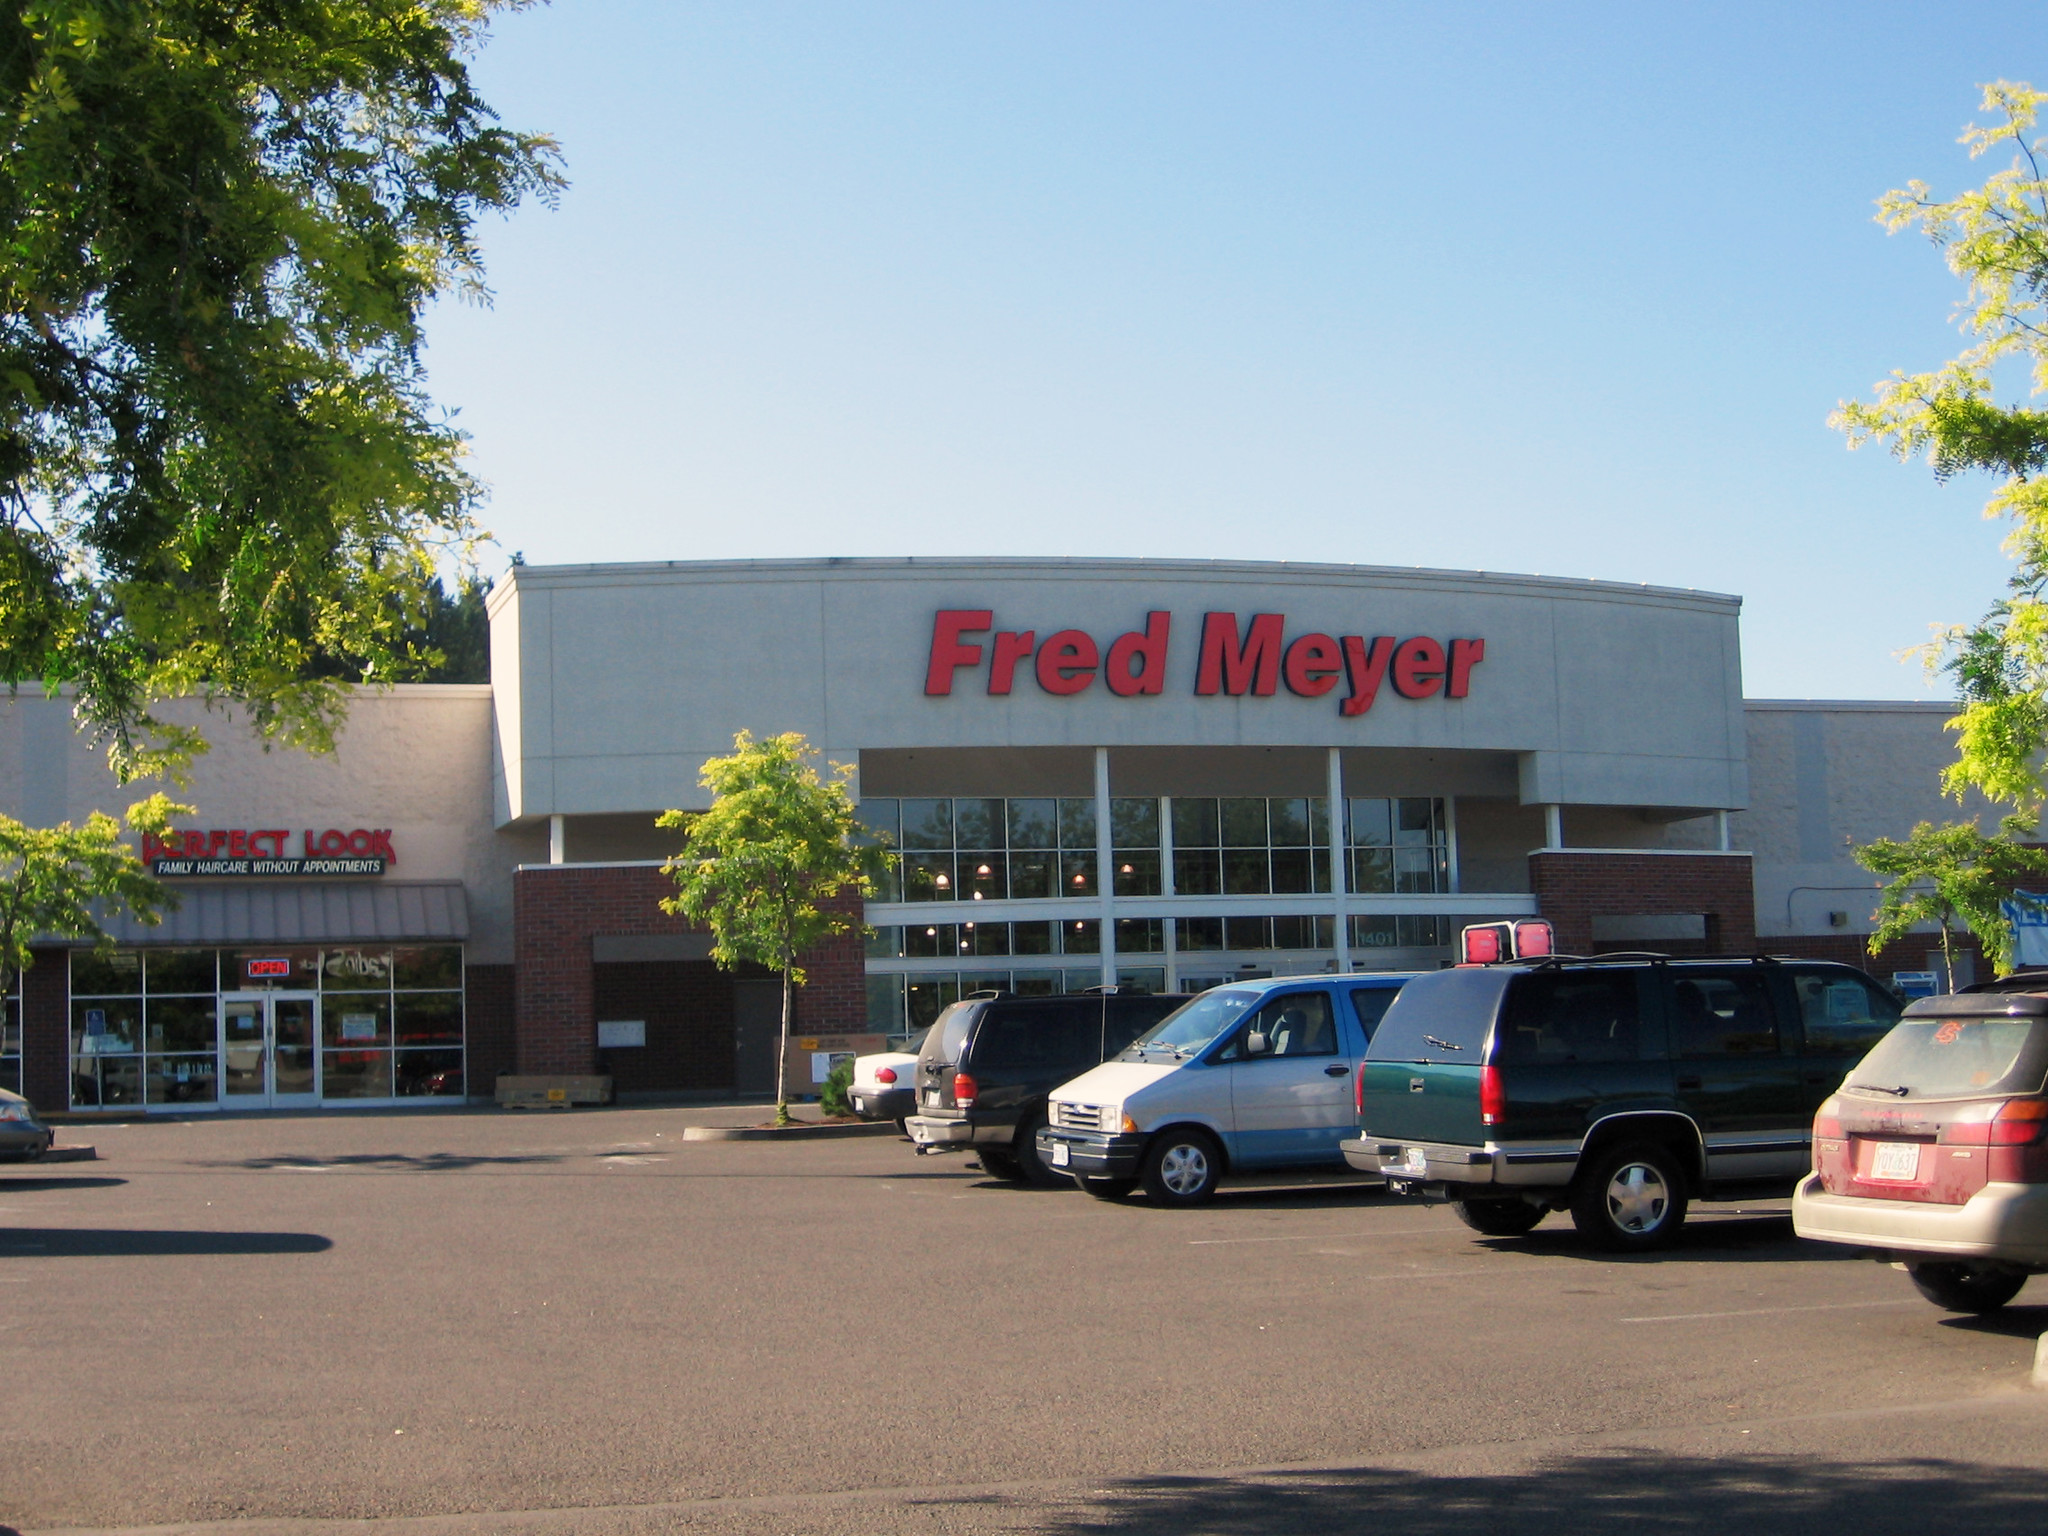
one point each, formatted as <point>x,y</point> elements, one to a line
<point>851,568</point>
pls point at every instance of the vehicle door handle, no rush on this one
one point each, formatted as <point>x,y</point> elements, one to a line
<point>1685,1083</point>
<point>1337,1071</point>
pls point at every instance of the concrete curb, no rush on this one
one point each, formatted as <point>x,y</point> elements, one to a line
<point>70,1155</point>
<point>787,1133</point>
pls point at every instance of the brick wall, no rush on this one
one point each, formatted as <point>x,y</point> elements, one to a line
<point>556,913</point>
<point>46,1030</point>
<point>1574,888</point>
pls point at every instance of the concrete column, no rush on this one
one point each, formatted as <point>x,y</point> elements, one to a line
<point>558,839</point>
<point>1340,841</point>
<point>1553,826</point>
<point>1170,929</point>
<point>1105,869</point>
<point>1721,831</point>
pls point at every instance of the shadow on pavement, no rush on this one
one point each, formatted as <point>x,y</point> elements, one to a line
<point>49,1181</point>
<point>1623,1494</point>
<point>1766,1239</point>
<point>396,1162</point>
<point>2018,1321</point>
<point>92,1243</point>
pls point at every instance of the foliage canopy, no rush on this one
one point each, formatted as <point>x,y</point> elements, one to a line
<point>1953,874</point>
<point>52,879</point>
<point>221,222</point>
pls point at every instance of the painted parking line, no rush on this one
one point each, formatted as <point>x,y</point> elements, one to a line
<point>1829,1306</point>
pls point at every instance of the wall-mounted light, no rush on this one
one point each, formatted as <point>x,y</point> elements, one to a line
<point>941,881</point>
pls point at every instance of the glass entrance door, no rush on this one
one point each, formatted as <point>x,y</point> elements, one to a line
<point>269,1050</point>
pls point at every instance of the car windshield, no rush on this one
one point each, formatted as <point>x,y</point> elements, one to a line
<point>1193,1025</point>
<point>1952,1058</point>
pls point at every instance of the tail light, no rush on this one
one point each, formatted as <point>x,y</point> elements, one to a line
<point>1827,1121</point>
<point>885,1074</point>
<point>1493,1097</point>
<point>1996,1123</point>
<point>1358,1089</point>
<point>964,1090</point>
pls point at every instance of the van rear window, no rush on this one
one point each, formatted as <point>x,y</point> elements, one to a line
<point>1444,1016</point>
<point>948,1036</point>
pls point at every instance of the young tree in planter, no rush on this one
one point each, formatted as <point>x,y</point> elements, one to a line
<point>1953,874</point>
<point>763,866</point>
<point>58,882</point>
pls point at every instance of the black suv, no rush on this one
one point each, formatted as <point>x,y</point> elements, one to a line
<point>990,1060</point>
<point>1619,1088</point>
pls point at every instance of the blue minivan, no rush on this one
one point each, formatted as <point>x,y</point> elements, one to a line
<point>1253,1078</point>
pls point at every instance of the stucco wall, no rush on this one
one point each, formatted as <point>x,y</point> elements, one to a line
<point>617,681</point>
<point>1825,776</point>
<point>415,759</point>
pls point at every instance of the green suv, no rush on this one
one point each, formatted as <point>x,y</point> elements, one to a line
<point>1619,1088</point>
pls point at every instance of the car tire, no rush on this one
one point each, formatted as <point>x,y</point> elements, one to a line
<point>1959,1287</point>
<point>1499,1218</point>
<point>1035,1168</point>
<point>1105,1189</point>
<point>903,1126</point>
<point>1630,1199</point>
<point>998,1163</point>
<point>1182,1167</point>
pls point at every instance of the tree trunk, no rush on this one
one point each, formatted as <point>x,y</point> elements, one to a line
<point>1948,954</point>
<point>782,1057</point>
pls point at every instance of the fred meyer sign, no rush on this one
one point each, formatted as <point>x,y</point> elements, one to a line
<point>1256,658</point>
<point>262,851</point>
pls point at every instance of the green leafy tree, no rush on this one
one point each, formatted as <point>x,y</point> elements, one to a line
<point>1995,238</point>
<point>221,223</point>
<point>1953,875</point>
<point>59,882</point>
<point>764,867</point>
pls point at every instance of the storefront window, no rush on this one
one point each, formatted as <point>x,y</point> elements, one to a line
<point>10,1039</point>
<point>1399,845</point>
<point>145,1024</point>
<point>988,849</point>
<point>1250,846</point>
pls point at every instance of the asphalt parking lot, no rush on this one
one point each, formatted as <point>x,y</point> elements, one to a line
<point>577,1322</point>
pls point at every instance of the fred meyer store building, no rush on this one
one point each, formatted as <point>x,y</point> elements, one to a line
<point>1159,774</point>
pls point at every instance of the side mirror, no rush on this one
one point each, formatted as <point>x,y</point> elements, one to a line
<point>1256,1044</point>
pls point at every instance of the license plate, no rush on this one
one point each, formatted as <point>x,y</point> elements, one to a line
<point>1415,1161</point>
<point>1896,1160</point>
<point>860,1106</point>
<point>931,1095</point>
<point>1059,1154</point>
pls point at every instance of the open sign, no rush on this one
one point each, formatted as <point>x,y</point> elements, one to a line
<point>260,968</point>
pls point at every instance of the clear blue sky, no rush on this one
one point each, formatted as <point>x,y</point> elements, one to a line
<point>1563,288</point>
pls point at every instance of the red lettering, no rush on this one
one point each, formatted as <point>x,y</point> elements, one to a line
<point>309,845</point>
<point>195,845</point>
<point>1146,647</point>
<point>1366,667</point>
<point>215,841</point>
<point>1228,668</point>
<point>1418,668</point>
<point>359,842</point>
<point>151,848</point>
<point>380,843</point>
<point>1010,649</point>
<point>277,837</point>
<point>1067,661</point>
<point>1313,664</point>
<point>238,844</point>
<point>333,842</point>
<point>1465,655</point>
<point>948,653</point>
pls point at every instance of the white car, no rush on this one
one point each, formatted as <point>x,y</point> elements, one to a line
<point>885,1084</point>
